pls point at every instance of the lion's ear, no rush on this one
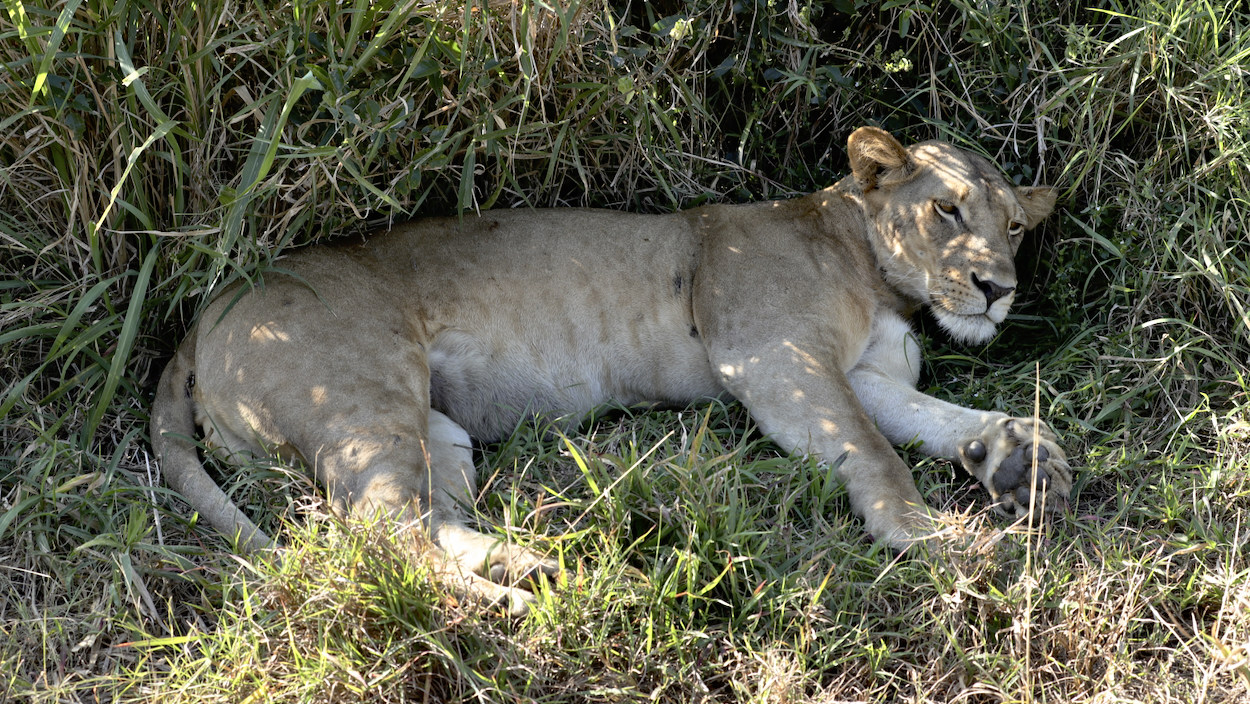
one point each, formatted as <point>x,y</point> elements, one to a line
<point>877,159</point>
<point>1037,202</point>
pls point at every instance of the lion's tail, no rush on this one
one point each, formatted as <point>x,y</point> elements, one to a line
<point>173,427</point>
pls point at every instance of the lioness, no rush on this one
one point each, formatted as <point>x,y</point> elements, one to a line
<point>376,363</point>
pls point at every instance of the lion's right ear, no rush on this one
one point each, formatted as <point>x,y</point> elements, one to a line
<point>1037,202</point>
<point>877,159</point>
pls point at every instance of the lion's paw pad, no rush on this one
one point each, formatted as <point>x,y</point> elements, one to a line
<point>1010,476</point>
<point>1003,459</point>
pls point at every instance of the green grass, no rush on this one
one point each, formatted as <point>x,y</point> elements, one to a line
<point>152,152</point>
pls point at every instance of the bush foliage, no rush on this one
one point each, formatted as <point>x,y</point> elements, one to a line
<point>152,152</point>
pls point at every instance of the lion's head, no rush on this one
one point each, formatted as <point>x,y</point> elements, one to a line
<point>948,225</point>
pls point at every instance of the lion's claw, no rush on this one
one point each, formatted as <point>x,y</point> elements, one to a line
<point>1019,463</point>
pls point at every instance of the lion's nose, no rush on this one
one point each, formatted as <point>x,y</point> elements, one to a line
<point>992,291</point>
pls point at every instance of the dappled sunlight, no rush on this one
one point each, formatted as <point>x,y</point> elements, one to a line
<point>812,365</point>
<point>976,247</point>
<point>252,418</point>
<point>353,456</point>
<point>267,332</point>
<point>954,173</point>
<point>386,495</point>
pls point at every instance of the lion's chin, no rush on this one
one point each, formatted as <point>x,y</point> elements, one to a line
<point>968,329</point>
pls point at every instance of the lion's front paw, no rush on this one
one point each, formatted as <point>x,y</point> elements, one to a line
<point>1003,459</point>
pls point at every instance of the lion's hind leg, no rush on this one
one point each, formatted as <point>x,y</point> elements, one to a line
<point>489,567</point>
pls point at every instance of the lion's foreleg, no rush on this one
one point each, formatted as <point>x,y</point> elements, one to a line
<point>997,449</point>
<point>810,409</point>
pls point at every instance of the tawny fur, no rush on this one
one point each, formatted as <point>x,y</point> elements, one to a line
<point>377,360</point>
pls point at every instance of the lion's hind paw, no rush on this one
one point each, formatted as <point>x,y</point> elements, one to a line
<point>492,571</point>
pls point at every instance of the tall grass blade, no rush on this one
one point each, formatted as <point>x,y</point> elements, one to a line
<point>124,345</point>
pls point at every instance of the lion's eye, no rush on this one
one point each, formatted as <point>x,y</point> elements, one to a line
<point>1016,229</point>
<point>946,207</point>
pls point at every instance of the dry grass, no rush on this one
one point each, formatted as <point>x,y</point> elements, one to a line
<point>150,153</point>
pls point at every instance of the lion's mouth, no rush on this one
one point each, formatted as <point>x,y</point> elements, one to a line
<point>969,328</point>
<point>996,314</point>
<point>993,314</point>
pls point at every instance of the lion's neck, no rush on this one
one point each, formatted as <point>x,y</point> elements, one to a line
<point>845,209</point>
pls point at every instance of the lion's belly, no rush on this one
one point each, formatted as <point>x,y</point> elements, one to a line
<point>488,378</point>
<point>552,312</point>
